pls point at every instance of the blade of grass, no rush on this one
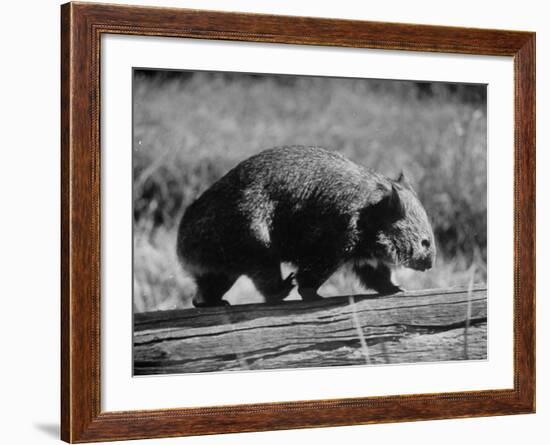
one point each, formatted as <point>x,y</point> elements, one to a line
<point>364,347</point>
<point>469,309</point>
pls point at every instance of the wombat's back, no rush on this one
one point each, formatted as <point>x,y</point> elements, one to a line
<point>296,174</point>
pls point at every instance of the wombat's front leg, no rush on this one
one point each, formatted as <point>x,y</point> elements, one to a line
<point>311,277</point>
<point>211,287</point>
<point>270,284</point>
<point>377,277</point>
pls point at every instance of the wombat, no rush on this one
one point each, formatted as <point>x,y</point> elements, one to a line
<point>309,207</point>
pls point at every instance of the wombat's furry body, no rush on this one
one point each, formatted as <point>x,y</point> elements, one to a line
<point>309,207</point>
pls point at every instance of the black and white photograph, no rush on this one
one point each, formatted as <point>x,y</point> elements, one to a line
<point>276,221</point>
<point>287,221</point>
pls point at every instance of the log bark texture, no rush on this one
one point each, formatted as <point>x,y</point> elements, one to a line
<point>412,327</point>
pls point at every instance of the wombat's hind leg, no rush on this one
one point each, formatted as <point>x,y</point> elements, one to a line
<point>270,284</point>
<point>377,277</point>
<point>211,288</point>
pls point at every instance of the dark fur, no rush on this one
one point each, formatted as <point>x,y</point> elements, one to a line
<point>309,207</point>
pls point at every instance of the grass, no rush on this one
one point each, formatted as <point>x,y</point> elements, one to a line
<point>189,130</point>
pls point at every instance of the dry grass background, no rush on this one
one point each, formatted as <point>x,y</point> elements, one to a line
<point>191,128</point>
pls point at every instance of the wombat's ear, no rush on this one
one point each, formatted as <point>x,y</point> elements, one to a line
<point>403,181</point>
<point>393,205</point>
<point>386,211</point>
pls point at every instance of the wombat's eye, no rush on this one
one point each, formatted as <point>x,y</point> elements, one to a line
<point>426,243</point>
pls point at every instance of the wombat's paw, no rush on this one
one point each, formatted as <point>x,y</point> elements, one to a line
<point>309,294</point>
<point>286,286</point>
<point>390,290</point>
<point>289,282</point>
<point>205,303</point>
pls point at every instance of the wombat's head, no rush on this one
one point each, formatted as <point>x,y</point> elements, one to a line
<point>404,236</point>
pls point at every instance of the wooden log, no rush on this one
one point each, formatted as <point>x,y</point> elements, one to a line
<point>420,326</point>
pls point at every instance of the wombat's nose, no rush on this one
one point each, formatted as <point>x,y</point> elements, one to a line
<point>426,263</point>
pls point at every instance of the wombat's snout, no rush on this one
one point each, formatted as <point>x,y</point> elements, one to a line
<point>425,263</point>
<point>426,259</point>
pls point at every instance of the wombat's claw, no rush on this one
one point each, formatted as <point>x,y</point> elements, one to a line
<point>287,285</point>
<point>290,280</point>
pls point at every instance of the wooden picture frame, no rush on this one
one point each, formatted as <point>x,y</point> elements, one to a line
<point>82,25</point>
